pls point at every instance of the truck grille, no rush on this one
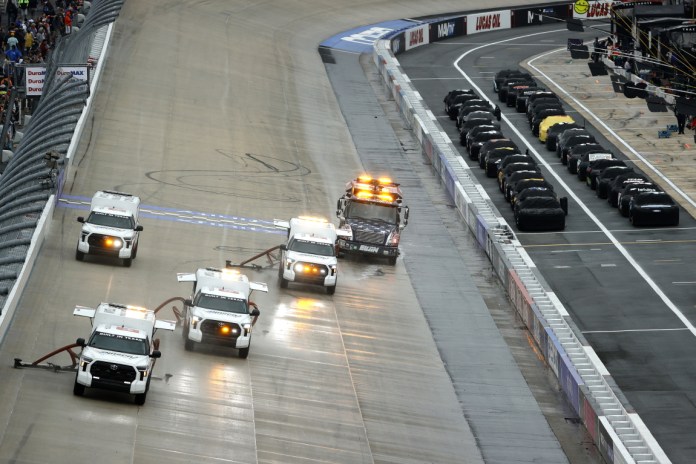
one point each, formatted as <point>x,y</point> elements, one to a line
<point>214,328</point>
<point>99,241</point>
<point>369,236</point>
<point>112,371</point>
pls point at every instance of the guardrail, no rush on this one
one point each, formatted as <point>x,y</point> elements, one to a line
<point>41,163</point>
<point>618,432</point>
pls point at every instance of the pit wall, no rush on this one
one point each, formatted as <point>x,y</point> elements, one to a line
<point>616,429</point>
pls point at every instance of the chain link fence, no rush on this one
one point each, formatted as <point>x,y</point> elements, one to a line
<point>37,166</point>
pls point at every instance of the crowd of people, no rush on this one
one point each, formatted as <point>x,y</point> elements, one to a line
<point>26,37</point>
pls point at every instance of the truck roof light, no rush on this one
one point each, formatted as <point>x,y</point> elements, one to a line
<point>364,178</point>
<point>385,180</point>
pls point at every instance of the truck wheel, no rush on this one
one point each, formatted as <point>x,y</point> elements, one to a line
<point>140,398</point>
<point>244,352</point>
<point>79,255</point>
<point>188,344</point>
<point>78,389</point>
<point>283,282</point>
<point>331,290</point>
<point>127,262</point>
<point>135,251</point>
<point>392,260</point>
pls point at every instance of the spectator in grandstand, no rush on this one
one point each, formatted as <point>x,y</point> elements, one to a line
<point>32,8</point>
<point>13,54</point>
<point>11,41</point>
<point>67,20</point>
<point>48,9</point>
<point>43,49</point>
<point>12,11</point>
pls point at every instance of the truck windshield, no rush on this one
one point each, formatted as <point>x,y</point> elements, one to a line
<point>312,248</point>
<point>360,210</point>
<point>221,303</point>
<point>120,343</point>
<point>110,220</point>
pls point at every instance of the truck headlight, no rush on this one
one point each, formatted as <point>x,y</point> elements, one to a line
<point>113,242</point>
<point>84,362</point>
<point>394,238</point>
<point>247,329</point>
<point>194,321</point>
<point>333,269</point>
<point>143,372</point>
<point>288,263</point>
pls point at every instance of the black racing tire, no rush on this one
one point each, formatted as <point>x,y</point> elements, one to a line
<point>633,220</point>
<point>127,262</point>
<point>331,290</point>
<point>79,255</point>
<point>391,260</point>
<point>78,388</point>
<point>244,352</point>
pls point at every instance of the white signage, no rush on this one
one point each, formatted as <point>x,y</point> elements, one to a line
<point>417,37</point>
<point>484,22</point>
<point>592,9</point>
<point>35,75</point>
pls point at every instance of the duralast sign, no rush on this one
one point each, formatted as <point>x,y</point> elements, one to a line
<point>484,22</point>
<point>35,76</point>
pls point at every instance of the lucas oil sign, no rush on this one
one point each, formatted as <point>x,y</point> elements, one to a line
<point>35,75</point>
<point>485,22</point>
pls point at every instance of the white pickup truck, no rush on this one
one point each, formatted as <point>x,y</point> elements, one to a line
<point>111,228</point>
<point>309,256</point>
<point>121,350</point>
<point>219,310</point>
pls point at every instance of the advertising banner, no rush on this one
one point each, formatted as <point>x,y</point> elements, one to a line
<point>569,380</point>
<point>417,37</point>
<point>447,29</point>
<point>552,351</point>
<point>397,43</point>
<point>537,16</point>
<point>34,77</point>
<point>592,9</point>
<point>484,22</point>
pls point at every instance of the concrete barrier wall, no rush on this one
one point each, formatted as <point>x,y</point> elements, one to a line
<point>98,53</point>
<point>619,434</point>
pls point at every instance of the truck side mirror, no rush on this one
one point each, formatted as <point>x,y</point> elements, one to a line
<point>255,312</point>
<point>188,302</point>
<point>80,219</point>
<point>138,228</point>
<point>284,247</point>
<point>80,342</point>
<point>156,354</point>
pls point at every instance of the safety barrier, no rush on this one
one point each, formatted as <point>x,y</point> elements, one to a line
<point>619,434</point>
<point>41,163</point>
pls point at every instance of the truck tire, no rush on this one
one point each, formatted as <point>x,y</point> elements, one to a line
<point>140,398</point>
<point>127,262</point>
<point>283,282</point>
<point>78,389</point>
<point>135,251</point>
<point>79,255</point>
<point>331,290</point>
<point>244,352</point>
<point>188,344</point>
<point>392,260</point>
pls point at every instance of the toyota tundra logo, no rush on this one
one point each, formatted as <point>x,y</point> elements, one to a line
<point>113,367</point>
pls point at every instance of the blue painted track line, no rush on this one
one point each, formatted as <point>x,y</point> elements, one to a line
<point>185,216</point>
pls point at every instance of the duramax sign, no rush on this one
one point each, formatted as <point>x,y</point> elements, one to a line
<point>35,75</point>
